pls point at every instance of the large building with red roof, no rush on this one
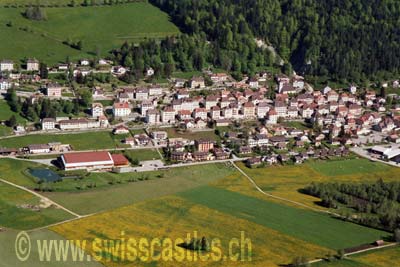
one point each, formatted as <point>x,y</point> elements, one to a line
<point>101,160</point>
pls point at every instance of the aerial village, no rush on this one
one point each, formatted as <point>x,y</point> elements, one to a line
<point>261,120</point>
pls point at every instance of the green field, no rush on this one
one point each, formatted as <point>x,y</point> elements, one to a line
<point>42,2</point>
<point>9,259</point>
<point>142,154</point>
<point>309,226</point>
<point>100,28</point>
<point>12,215</point>
<point>174,133</point>
<point>79,141</point>
<point>173,181</point>
<point>347,167</point>
<point>5,130</point>
<point>6,112</point>
<point>14,171</point>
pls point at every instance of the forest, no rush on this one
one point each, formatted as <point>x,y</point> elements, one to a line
<point>344,40</point>
<point>373,204</point>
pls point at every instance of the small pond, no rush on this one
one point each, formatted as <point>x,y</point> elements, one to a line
<point>45,175</point>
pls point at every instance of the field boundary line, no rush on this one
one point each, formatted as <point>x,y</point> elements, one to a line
<point>41,197</point>
<point>357,252</point>
<point>280,198</point>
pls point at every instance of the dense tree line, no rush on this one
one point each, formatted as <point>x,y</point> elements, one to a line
<point>355,39</point>
<point>46,108</point>
<point>376,204</point>
<point>192,52</point>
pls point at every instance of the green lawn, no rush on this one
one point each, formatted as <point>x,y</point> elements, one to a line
<point>347,167</point>
<point>142,154</point>
<point>79,141</point>
<point>174,133</point>
<point>186,75</point>
<point>307,225</point>
<point>9,259</point>
<point>13,216</point>
<point>174,180</point>
<point>100,28</point>
<point>13,170</point>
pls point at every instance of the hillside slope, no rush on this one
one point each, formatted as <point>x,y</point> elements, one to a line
<point>99,28</point>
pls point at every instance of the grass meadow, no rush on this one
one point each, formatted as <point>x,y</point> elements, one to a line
<point>142,154</point>
<point>78,141</point>
<point>309,226</point>
<point>16,217</point>
<point>285,181</point>
<point>347,167</point>
<point>100,28</point>
<point>123,193</point>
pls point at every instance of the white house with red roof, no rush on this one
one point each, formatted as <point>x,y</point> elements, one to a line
<point>121,109</point>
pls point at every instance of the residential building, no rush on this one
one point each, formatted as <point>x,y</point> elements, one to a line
<point>168,115</point>
<point>32,65</point>
<point>48,124</point>
<point>281,109</point>
<point>248,110</point>
<point>97,110</point>
<point>215,113</point>
<point>6,65</point>
<point>141,93</point>
<point>197,83</point>
<point>145,106</point>
<point>121,129</point>
<point>121,109</point>
<point>155,90</point>
<point>38,148</point>
<point>272,116</point>
<point>204,145</point>
<point>53,90</point>
<point>153,116</point>
<point>200,113</point>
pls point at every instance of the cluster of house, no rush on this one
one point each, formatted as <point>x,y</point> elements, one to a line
<point>53,147</point>
<point>297,157</point>
<point>148,98</point>
<point>10,78</point>
<point>204,150</point>
<point>98,120</point>
<point>343,113</point>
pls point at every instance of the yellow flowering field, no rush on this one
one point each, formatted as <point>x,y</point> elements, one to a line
<point>173,217</point>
